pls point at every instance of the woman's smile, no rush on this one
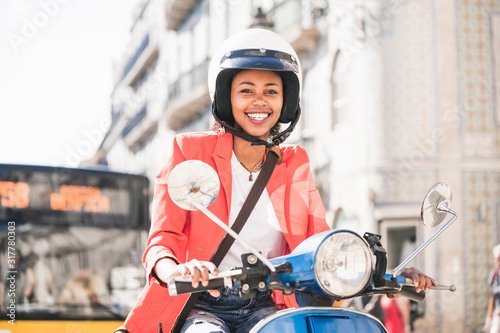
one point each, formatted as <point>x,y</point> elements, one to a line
<point>258,117</point>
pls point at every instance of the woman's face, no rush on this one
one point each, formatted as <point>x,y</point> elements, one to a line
<point>256,100</point>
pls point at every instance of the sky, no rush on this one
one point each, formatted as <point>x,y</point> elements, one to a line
<point>56,76</point>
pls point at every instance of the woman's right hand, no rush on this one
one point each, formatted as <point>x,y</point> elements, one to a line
<point>195,270</point>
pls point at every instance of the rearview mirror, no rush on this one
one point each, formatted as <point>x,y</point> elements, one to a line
<point>196,178</point>
<point>435,205</point>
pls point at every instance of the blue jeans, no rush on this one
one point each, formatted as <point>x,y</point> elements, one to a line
<point>228,313</point>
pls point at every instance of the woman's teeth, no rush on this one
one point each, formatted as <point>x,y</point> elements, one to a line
<point>258,116</point>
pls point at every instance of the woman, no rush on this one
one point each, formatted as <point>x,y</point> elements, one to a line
<point>254,83</point>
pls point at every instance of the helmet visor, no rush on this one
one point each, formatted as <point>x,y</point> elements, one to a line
<point>260,59</point>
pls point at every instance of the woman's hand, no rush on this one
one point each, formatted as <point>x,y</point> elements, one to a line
<point>195,269</point>
<point>420,280</point>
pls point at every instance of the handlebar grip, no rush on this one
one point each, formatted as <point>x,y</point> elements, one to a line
<point>411,293</point>
<point>182,287</point>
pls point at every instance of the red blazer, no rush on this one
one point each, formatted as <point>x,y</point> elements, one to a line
<point>184,235</point>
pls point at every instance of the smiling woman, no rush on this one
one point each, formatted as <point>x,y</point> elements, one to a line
<point>254,83</point>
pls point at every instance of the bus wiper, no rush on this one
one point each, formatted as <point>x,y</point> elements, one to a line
<point>109,309</point>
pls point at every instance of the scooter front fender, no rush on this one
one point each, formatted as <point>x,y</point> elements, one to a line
<point>319,320</point>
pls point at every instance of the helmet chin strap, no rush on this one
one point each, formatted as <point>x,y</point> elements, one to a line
<point>276,141</point>
<point>241,134</point>
<point>281,137</point>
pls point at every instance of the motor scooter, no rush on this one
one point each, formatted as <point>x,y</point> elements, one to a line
<point>333,265</point>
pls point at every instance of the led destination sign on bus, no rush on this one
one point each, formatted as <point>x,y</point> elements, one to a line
<point>75,198</point>
<point>43,195</point>
<point>14,195</point>
<point>79,198</point>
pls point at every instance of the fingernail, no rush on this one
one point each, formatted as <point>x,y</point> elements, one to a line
<point>204,283</point>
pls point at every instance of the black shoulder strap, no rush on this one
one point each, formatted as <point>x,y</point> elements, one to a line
<point>225,245</point>
<point>248,205</point>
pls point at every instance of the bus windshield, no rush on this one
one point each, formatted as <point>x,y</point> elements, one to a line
<point>70,242</point>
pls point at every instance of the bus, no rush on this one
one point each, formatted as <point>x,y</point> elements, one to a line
<point>71,242</point>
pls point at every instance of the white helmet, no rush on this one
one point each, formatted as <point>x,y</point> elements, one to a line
<point>261,50</point>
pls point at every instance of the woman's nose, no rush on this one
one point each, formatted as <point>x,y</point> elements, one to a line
<point>259,99</point>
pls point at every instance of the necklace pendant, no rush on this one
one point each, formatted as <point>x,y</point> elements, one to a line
<point>250,178</point>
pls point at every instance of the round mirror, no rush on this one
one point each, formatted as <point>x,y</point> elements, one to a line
<point>432,213</point>
<point>196,178</point>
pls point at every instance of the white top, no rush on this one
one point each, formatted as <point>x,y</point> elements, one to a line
<point>261,230</point>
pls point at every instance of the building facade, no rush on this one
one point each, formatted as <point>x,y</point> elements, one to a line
<point>397,96</point>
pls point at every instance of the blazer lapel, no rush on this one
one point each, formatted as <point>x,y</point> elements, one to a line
<point>222,157</point>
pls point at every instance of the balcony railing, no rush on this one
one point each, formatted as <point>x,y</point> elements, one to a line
<point>188,81</point>
<point>132,123</point>
<point>131,62</point>
<point>188,97</point>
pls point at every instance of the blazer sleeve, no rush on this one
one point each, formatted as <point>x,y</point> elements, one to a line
<point>166,236</point>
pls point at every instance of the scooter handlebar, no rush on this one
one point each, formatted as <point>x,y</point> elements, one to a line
<point>411,293</point>
<point>407,288</point>
<point>178,287</point>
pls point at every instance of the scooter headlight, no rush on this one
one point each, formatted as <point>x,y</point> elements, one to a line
<point>343,264</point>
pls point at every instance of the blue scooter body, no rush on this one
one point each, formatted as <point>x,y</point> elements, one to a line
<point>319,320</point>
<point>310,318</point>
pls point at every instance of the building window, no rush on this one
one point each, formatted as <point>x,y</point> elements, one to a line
<point>399,237</point>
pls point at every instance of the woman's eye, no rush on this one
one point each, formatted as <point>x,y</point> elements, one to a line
<point>272,92</point>
<point>245,91</point>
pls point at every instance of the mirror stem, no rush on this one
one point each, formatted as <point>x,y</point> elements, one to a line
<point>230,231</point>
<point>442,207</point>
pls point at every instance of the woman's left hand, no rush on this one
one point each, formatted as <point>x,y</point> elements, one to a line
<point>420,280</point>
